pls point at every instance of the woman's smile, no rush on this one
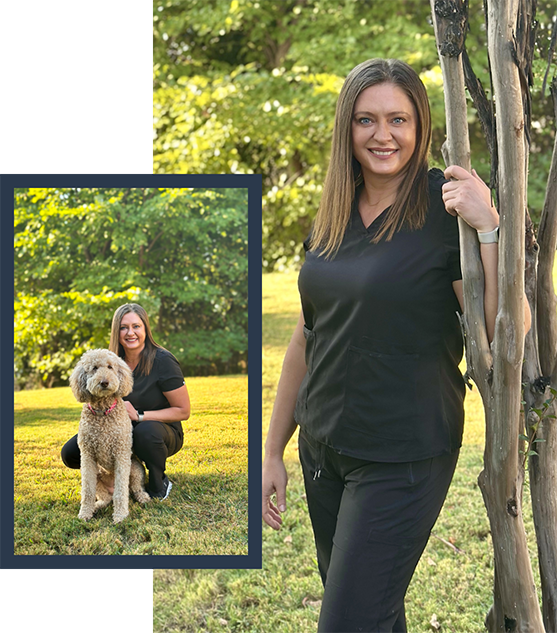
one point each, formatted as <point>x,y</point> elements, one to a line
<point>383,153</point>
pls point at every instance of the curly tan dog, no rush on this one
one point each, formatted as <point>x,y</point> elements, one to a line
<point>101,379</point>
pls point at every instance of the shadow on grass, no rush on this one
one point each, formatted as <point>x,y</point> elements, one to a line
<point>204,514</point>
<point>30,417</point>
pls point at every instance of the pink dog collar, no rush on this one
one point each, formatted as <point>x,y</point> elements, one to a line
<point>106,411</point>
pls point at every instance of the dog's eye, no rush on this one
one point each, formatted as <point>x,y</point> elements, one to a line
<point>109,366</point>
<point>95,368</point>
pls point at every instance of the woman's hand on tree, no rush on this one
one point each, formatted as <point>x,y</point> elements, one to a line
<point>468,196</point>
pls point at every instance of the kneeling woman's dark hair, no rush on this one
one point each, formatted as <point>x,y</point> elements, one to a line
<point>149,351</point>
<point>344,172</point>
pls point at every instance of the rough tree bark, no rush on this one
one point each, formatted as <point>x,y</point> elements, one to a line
<point>540,372</point>
<point>497,376</point>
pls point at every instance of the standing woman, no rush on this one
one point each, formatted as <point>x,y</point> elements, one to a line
<point>371,373</point>
<point>159,400</point>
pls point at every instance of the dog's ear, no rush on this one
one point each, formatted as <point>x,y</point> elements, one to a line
<point>78,383</point>
<point>125,376</point>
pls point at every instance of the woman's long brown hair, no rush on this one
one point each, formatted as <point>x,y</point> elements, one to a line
<point>344,172</point>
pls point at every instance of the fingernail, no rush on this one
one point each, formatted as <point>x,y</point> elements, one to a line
<point>282,508</point>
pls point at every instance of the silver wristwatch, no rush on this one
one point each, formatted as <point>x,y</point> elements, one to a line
<point>491,237</point>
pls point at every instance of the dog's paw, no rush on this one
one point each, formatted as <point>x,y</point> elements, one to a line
<point>142,497</point>
<point>118,518</point>
<point>101,503</point>
<point>86,516</point>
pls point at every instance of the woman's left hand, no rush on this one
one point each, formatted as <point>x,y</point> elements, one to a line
<point>468,195</point>
<point>131,411</point>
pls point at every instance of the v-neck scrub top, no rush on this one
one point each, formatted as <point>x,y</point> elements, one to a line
<point>148,391</point>
<point>383,340</point>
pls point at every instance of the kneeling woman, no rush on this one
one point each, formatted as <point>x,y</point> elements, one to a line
<point>159,400</point>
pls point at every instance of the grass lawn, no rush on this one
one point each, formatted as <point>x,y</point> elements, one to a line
<point>284,597</point>
<point>206,512</point>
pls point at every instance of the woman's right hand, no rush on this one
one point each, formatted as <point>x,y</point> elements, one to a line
<point>274,482</point>
<point>282,427</point>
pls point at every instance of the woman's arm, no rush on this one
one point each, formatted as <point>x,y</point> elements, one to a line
<point>282,427</point>
<point>470,197</point>
<point>179,409</point>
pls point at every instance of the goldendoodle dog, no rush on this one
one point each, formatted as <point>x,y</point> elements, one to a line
<point>101,379</point>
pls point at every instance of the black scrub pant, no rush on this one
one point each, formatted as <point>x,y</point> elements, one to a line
<point>153,442</point>
<point>371,522</point>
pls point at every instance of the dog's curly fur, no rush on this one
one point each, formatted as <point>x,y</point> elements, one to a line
<point>105,439</point>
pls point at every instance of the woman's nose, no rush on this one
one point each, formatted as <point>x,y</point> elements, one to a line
<point>382,131</point>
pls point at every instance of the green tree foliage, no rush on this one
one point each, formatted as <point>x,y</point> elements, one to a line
<point>80,253</point>
<point>248,86</point>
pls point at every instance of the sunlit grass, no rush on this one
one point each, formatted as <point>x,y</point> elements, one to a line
<point>206,512</point>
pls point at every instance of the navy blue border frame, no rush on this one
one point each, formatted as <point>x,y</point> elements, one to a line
<point>7,558</point>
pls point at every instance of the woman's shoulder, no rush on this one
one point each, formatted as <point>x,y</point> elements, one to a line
<point>163,355</point>
<point>436,179</point>
<point>166,365</point>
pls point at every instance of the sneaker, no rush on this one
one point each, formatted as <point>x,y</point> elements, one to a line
<point>167,487</point>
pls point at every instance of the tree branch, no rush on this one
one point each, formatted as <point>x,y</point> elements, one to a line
<point>547,240</point>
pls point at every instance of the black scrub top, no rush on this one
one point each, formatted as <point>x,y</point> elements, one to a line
<point>165,375</point>
<point>383,340</point>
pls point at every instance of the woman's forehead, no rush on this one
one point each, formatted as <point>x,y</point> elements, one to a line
<point>384,96</point>
<point>131,318</point>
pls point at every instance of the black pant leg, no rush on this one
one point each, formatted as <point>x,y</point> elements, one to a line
<point>153,442</point>
<point>371,523</point>
<point>384,521</point>
<point>71,455</point>
<point>324,490</point>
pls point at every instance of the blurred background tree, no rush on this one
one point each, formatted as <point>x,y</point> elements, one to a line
<point>81,253</point>
<point>248,86</point>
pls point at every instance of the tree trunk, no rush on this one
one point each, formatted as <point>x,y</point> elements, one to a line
<point>540,371</point>
<point>450,23</point>
<point>516,606</point>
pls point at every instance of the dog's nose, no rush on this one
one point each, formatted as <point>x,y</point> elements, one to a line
<point>104,384</point>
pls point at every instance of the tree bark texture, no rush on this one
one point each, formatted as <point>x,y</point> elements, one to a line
<point>498,378</point>
<point>539,372</point>
<point>502,477</point>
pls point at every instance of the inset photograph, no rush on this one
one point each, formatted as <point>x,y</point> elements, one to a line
<point>130,370</point>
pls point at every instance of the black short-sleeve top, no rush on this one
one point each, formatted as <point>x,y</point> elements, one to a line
<point>148,391</point>
<point>383,340</point>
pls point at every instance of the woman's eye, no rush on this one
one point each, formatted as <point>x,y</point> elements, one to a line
<point>398,120</point>
<point>364,120</point>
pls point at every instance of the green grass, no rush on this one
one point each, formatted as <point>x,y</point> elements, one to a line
<point>206,512</point>
<point>284,597</point>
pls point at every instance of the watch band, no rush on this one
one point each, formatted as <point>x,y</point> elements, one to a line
<point>491,237</point>
<point>140,415</point>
